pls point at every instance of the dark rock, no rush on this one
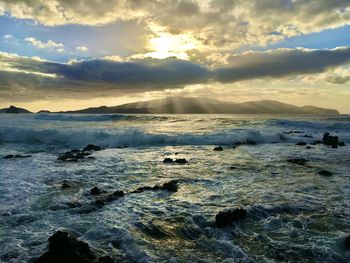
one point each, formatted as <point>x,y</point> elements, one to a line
<point>107,198</point>
<point>316,142</point>
<point>181,161</point>
<point>290,132</point>
<point>74,156</point>
<point>250,142</point>
<point>218,148</point>
<point>95,191</point>
<point>234,147</point>
<point>91,147</point>
<point>301,143</point>
<point>233,167</point>
<point>122,146</point>
<point>63,247</point>
<point>324,173</point>
<point>341,144</point>
<point>65,185</point>
<point>16,156</point>
<point>330,140</point>
<point>299,161</point>
<point>99,203</point>
<point>171,186</point>
<point>347,242</point>
<point>168,160</point>
<point>308,147</point>
<point>308,136</point>
<point>225,218</point>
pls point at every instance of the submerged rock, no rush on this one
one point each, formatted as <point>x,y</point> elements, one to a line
<point>218,148</point>
<point>299,161</point>
<point>171,186</point>
<point>91,147</point>
<point>316,142</point>
<point>168,160</point>
<point>181,161</point>
<point>324,173</point>
<point>16,156</point>
<point>308,147</point>
<point>341,144</point>
<point>225,218</point>
<point>301,143</point>
<point>95,191</point>
<point>64,247</point>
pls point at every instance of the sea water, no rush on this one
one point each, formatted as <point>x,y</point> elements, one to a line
<point>294,214</point>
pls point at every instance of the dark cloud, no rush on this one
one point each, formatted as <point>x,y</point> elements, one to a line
<point>22,76</point>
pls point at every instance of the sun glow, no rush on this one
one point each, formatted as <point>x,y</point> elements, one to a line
<point>166,45</point>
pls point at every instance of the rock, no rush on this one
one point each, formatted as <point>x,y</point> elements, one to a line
<point>233,167</point>
<point>171,186</point>
<point>324,173</point>
<point>301,143</point>
<point>181,161</point>
<point>234,147</point>
<point>16,156</point>
<point>95,191</point>
<point>341,144</point>
<point>63,247</point>
<point>308,136</point>
<point>122,146</point>
<point>74,156</point>
<point>91,147</point>
<point>299,161</point>
<point>225,218</point>
<point>347,242</point>
<point>107,198</point>
<point>316,142</point>
<point>250,142</point>
<point>308,147</point>
<point>168,160</point>
<point>330,140</point>
<point>218,148</point>
<point>65,185</point>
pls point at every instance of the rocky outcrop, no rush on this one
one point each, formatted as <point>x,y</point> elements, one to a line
<point>299,161</point>
<point>218,148</point>
<point>225,218</point>
<point>171,186</point>
<point>77,155</point>
<point>16,156</point>
<point>64,247</point>
<point>178,161</point>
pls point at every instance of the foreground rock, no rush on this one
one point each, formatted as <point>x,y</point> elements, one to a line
<point>77,155</point>
<point>64,247</point>
<point>16,156</point>
<point>178,161</point>
<point>301,143</point>
<point>225,218</point>
<point>171,186</point>
<point>330,140</point>
<point>299,161</point>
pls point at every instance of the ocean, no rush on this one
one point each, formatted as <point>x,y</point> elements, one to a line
<point>293,213</point>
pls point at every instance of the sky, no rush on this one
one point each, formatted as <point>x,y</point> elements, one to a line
<point>66,55</point>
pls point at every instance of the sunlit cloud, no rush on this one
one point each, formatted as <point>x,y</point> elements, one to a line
<point>50,44</point>
<point>82,49</point>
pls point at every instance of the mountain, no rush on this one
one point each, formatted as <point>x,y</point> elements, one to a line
<point>13,109</point>
<point>203,105</point>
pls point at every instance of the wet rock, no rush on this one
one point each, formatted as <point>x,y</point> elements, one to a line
<point>301,143</point>
<point>218,148</point>
<point>95,191</point>
<point>181,161</point>
<point>234,147</point>
<point>233,167</point>
<point>91,147</point>
<point>341,144</point>
<point>308,136</point>
<point>316,142</point>
<point>171,186</point>
<point>347,242</point>
<point>74,156</point>
<point>250,142</point>
<point>225,218</point>
<point>107,198</point>
<point>168,160</point>
<point>324,173</point>
<point>299,161</point>
<point>16,156</point>
<point>65,184</point>
<point>330,140</point>
<point>291,132</point>
<point>63,247</point>
<point>122,146</point>
<point>308,147</point>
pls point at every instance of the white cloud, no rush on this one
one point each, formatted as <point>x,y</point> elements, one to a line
<point>59,47</point>
<point>8,36</point>
<point>82,49</point>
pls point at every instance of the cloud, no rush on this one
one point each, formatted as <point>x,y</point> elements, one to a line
<point>59,47</point>
<point>113,76</point>
<point>8,36</point>
<point>216,24</point>
<point>82,49</point>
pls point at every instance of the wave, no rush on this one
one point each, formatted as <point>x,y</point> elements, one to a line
<point>79,118</point>
<point>132,137</point>
<point>317,125</point>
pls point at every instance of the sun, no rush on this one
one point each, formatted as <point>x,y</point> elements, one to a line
<point>166,45</point>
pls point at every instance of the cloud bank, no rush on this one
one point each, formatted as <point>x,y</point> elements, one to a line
<point>24,76</point>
